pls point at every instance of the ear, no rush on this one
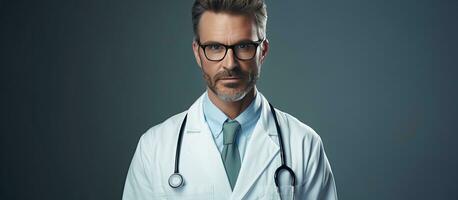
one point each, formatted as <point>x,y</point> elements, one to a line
<point>195,49</point>
<point>264,50</point>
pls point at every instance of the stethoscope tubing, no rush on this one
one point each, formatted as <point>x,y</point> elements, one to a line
<point>179,141</point>
<point>282,153</point>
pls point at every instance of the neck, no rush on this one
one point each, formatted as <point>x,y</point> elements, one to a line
<point>232,109</point>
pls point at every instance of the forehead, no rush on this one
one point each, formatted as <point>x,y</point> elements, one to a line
<point>226,28</point>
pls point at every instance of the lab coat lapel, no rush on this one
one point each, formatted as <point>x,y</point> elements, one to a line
<point>261,149</point>
<point>199,150</point>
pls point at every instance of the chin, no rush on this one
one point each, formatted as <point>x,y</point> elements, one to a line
<point>232,94</point>
<point>232,97</point>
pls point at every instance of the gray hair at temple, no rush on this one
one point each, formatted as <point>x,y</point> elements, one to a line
<point>256,8</point>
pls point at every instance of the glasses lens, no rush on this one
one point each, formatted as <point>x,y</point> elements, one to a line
<point>245,51</point>
<point>215,51</point>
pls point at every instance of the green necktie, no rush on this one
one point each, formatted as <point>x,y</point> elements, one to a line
<point>231,156</point>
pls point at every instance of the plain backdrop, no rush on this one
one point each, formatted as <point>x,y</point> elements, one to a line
<point>82,80</point>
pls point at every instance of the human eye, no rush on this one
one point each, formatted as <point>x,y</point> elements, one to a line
<point>244,46</point>
<point>214,47</point>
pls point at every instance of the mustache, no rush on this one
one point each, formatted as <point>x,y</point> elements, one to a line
<point>229,74</point>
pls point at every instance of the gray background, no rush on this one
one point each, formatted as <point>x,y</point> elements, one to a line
<point>82,80</point>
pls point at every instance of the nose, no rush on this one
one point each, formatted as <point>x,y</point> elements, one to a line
<point>229,61</point>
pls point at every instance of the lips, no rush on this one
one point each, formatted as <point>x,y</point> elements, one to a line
<point>230,78</point>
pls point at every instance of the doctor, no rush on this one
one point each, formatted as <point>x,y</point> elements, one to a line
<point>230,143</point>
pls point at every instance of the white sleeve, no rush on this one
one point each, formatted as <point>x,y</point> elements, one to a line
<point>137,186</point>
<point>319,182</point>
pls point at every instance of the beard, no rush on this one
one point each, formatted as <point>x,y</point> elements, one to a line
<point>232,92</point>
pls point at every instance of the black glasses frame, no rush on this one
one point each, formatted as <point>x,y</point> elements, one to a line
<point>227,47</point>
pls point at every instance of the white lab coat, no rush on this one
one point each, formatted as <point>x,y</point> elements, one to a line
<point>203,170</point>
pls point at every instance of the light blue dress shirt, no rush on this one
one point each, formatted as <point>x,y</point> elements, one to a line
<point>248,119</point>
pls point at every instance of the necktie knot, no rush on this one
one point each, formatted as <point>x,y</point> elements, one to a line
<point>230,129</point>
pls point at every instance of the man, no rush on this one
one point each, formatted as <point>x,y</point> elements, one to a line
<point>230,146</point>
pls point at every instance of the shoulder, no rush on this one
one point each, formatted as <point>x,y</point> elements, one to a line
<point>167,124</point>
<point>164,130</point>
<point>165,133</point>
<point>298,130</point>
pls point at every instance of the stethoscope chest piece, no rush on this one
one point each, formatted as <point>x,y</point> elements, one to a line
<point>176,180</point>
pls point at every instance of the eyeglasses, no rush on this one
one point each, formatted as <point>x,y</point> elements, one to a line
<point>242,51</point>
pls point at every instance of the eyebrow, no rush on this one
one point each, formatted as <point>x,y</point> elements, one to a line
<point>236,43</point>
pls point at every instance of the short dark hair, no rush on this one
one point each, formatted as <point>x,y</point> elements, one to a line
<point>256,8</point>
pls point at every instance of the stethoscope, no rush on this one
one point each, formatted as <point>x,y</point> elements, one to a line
<point>176,179</point>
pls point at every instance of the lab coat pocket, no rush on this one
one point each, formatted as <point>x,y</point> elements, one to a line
<point>282,193</point>
<point>186,192</point>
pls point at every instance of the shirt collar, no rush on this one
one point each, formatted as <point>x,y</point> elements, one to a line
<point>215,118</point>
